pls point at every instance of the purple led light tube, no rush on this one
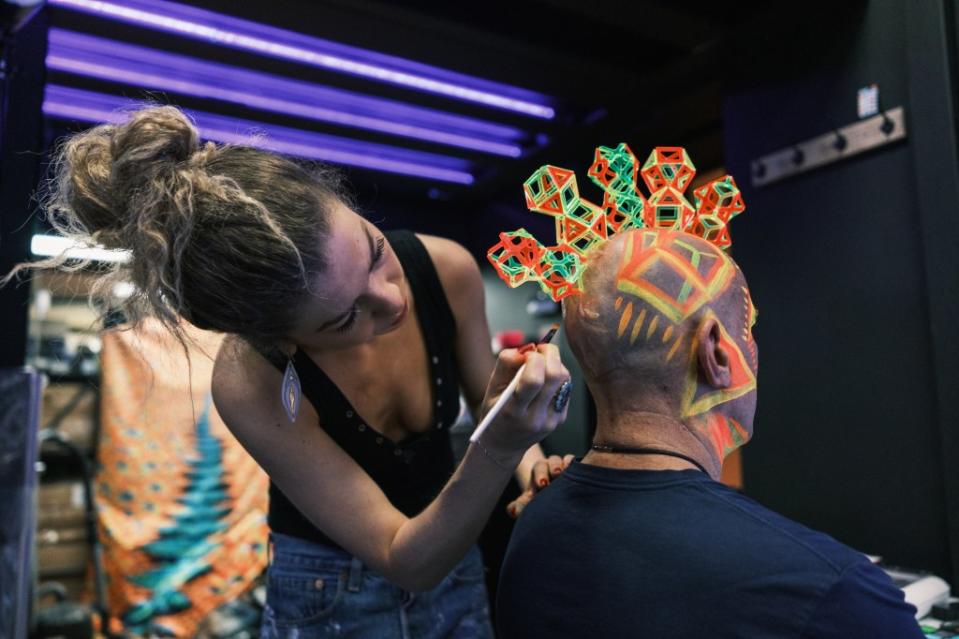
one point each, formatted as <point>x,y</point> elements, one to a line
<point>87,106</point>
<point>237,33</point>
<point>91,56</point>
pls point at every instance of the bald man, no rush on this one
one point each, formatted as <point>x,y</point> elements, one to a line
<point>639,539</point>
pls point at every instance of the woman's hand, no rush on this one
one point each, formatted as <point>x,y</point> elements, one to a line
<point>542,473</point>
<point>530,414</point>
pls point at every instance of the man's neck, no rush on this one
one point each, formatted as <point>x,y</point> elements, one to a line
<point>641,429</point>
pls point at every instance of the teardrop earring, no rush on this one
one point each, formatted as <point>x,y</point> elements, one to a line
<point>290,391</point>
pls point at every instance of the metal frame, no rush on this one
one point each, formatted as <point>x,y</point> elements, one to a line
<point>850,140</point>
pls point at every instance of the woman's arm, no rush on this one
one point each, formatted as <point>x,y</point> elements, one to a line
<point>463,285</point>
<point>338,497</point>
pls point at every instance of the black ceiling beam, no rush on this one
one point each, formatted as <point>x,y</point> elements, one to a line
<point>658,22</point>
<point>556,64</point>
<point>667,106</point>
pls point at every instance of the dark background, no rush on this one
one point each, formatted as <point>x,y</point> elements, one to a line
<point>854,267</point>
<point>855,276</point>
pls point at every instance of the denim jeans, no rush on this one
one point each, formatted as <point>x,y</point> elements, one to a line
<point>317,591</point>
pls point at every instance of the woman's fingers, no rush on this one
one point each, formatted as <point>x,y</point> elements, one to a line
<point>556,466</point>
<point>541,375</point>
<point>515,507</point>
<point>530,382</point>
<point>539,475</point>
<point>528,408</point>
<point>507,363</point>
<point>543,407</point>
<point>544,471</point>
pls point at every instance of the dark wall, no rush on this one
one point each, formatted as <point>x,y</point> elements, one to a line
<point>23,45</point>
<point>850,431</point>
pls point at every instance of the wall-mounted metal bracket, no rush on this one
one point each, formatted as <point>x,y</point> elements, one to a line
<point>885,128</point>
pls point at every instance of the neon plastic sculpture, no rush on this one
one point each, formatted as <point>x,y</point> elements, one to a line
<point>581,225</point>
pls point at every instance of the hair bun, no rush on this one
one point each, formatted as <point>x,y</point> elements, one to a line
<point>149,147</point>
<point>106,172</point>
<point>154,138</point>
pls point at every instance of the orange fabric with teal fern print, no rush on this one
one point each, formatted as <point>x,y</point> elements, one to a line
<point>181,506</point>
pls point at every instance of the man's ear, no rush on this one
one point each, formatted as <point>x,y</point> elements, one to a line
<point>711,354</point>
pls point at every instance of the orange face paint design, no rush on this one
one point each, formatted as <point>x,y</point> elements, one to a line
<point>675,279</point>
<point>627,315</point>
<point>752,315</point>
<point>652,327</point>
<point>742,378</point>
<point>667,334</point>
<point>637,327</point>
<point>725,434</point>
<point>692,279</point>
<point>688,278</point>
<point>624,319</point>
<point>674,349</point>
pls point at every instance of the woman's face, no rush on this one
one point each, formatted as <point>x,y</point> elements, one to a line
<point>362,292</point>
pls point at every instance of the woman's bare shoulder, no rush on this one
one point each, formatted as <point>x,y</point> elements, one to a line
<point>458,271</point>
<point>447,253</point>
<point>241,377</point>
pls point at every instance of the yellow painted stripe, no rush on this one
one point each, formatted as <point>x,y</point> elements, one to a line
<point>619,302</point>
<point>624,320</point>
<point>637,326</point>
<point>667,334</point>
<point>652,326</point>
<point>675,348</point>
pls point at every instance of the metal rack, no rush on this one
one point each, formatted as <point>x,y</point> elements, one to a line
<point>886,128</point>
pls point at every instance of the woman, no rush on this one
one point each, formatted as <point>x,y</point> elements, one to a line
<point>377,331</point>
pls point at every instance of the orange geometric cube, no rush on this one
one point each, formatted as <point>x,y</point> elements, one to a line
<point>582,225</point>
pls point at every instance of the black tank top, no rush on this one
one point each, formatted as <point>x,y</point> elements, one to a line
<point>411,473</point>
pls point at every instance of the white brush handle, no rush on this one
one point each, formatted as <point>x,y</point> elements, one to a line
<point>498,406</point>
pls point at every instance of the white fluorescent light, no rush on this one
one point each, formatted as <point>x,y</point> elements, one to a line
<point>56,245</point>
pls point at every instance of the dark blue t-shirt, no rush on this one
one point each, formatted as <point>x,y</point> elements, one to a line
<point>606,553</point>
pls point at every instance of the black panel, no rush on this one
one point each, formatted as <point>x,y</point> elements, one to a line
<point>932,56</point>
<point>24,46</point>
<point>847,436</point>
<point>19,414</point>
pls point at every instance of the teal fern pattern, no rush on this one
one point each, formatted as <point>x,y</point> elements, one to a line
<point>180,549</point>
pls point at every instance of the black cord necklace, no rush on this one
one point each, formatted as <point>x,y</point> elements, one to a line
<point>604,448</point>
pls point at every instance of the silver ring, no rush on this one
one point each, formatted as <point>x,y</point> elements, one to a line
<point>561,398</point>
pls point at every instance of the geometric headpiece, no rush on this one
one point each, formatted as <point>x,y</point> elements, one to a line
<point>580,224</point>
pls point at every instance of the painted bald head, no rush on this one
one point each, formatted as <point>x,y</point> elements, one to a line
<point>664,325</point>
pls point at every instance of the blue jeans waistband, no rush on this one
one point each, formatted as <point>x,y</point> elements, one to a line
<point>287,552</point>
